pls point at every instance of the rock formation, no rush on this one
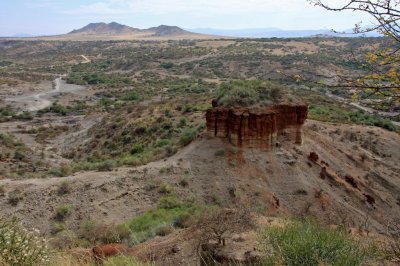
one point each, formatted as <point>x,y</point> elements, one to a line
<point>257,127</point>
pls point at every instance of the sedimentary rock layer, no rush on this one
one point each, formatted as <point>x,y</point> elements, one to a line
<point>257,127</point>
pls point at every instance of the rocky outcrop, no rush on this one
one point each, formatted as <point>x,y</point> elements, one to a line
<point>257,127</point>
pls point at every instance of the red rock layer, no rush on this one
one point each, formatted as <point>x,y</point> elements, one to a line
<point>257,127</point>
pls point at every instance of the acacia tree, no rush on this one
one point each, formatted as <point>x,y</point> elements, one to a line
<point>382,77</point>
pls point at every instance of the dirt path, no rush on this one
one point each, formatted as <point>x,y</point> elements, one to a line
<point>86,60</point>
<point>37,101</point>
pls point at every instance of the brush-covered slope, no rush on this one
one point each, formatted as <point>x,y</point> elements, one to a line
<point>351,176</point>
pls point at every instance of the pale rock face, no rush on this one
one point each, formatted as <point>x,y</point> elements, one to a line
<point>257,127</point>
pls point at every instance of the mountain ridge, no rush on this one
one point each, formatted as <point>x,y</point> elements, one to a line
<point>114,28</point>
<point>104,28</point>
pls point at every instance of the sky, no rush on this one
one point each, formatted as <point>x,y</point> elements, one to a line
<point>47,17</point>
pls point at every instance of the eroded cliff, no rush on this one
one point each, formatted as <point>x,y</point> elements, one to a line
<point>257,127</point>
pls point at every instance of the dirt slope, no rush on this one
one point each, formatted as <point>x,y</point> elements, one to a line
<point>361,183</point>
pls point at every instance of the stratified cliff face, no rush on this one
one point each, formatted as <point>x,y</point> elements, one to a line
<point>257,127</point>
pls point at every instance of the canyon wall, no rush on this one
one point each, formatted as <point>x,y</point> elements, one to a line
<point>257,127</point>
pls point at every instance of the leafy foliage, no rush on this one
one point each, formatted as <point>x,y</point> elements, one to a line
<point>19,247</point>
<point>383,76</point>
<point>246,93</point>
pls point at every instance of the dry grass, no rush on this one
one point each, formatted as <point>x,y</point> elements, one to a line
<point>64,259</point>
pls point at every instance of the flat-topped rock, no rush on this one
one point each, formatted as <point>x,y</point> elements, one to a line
<point>257,127</point>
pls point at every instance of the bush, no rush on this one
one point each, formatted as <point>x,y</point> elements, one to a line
<point>246,92</point>
<point>106,166</point>
<point>57,227</point>
<point>161,143</point>
<point>19,155</point>
<point>306,243</point>
<point>148,224</point>
<point>137,148</point>
<point>15,196</point>
<point>101,233</point>
<point>182,122</point>
<point>64,211</point>
<point>19,247</point>
<point>169,202</point>
<point>64,188</point>
<point>123,261</point>
<point>219,152</point>
<point>63,170</point>
<point>165,188</point>
<point>167,65</point>
<point>188,135</point>
<point>164,230</point>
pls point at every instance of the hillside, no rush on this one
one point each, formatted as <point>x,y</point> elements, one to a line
<point>360,183</point>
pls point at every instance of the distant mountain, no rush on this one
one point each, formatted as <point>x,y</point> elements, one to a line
<point>102,28</point>
<point>164,30</point>
<point>275,32</point>
<point>116,29</point>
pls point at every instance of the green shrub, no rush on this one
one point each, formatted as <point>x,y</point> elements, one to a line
<point>169,202</point>
<point>63,211</point>
<point>131,96</point>
<point>306,243</point>
<point>161,143</point>
<point>106,166</point>
<point>184,182</point>
<point>147,225</point>
<point>7,140</point>
<point>104,233</point>
<point>187,136</point>
<point>19,155</point>
<point>248,92</point>
<point>64,188</point>
<point>123,261</point>
<point>219,152</point>
<point>137,148</point>
<point>182,122</point>
<point>15,196</point>
<point>167,65</point>
<point>57,227</point>
<point>165,188</point>
<point>25,116</point>
<point>63,170</point>
<point>19,247</point>
<point>164,230</point>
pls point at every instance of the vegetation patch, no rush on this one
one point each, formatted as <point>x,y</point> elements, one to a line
<point>249,92</point>
<point>303,242</point>
<point>18,247</point>
<point>171,213</point>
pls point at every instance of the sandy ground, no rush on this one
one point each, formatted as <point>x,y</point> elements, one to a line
<point>39,100</point>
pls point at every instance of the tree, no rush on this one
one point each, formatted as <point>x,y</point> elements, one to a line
<point>382,76</point>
